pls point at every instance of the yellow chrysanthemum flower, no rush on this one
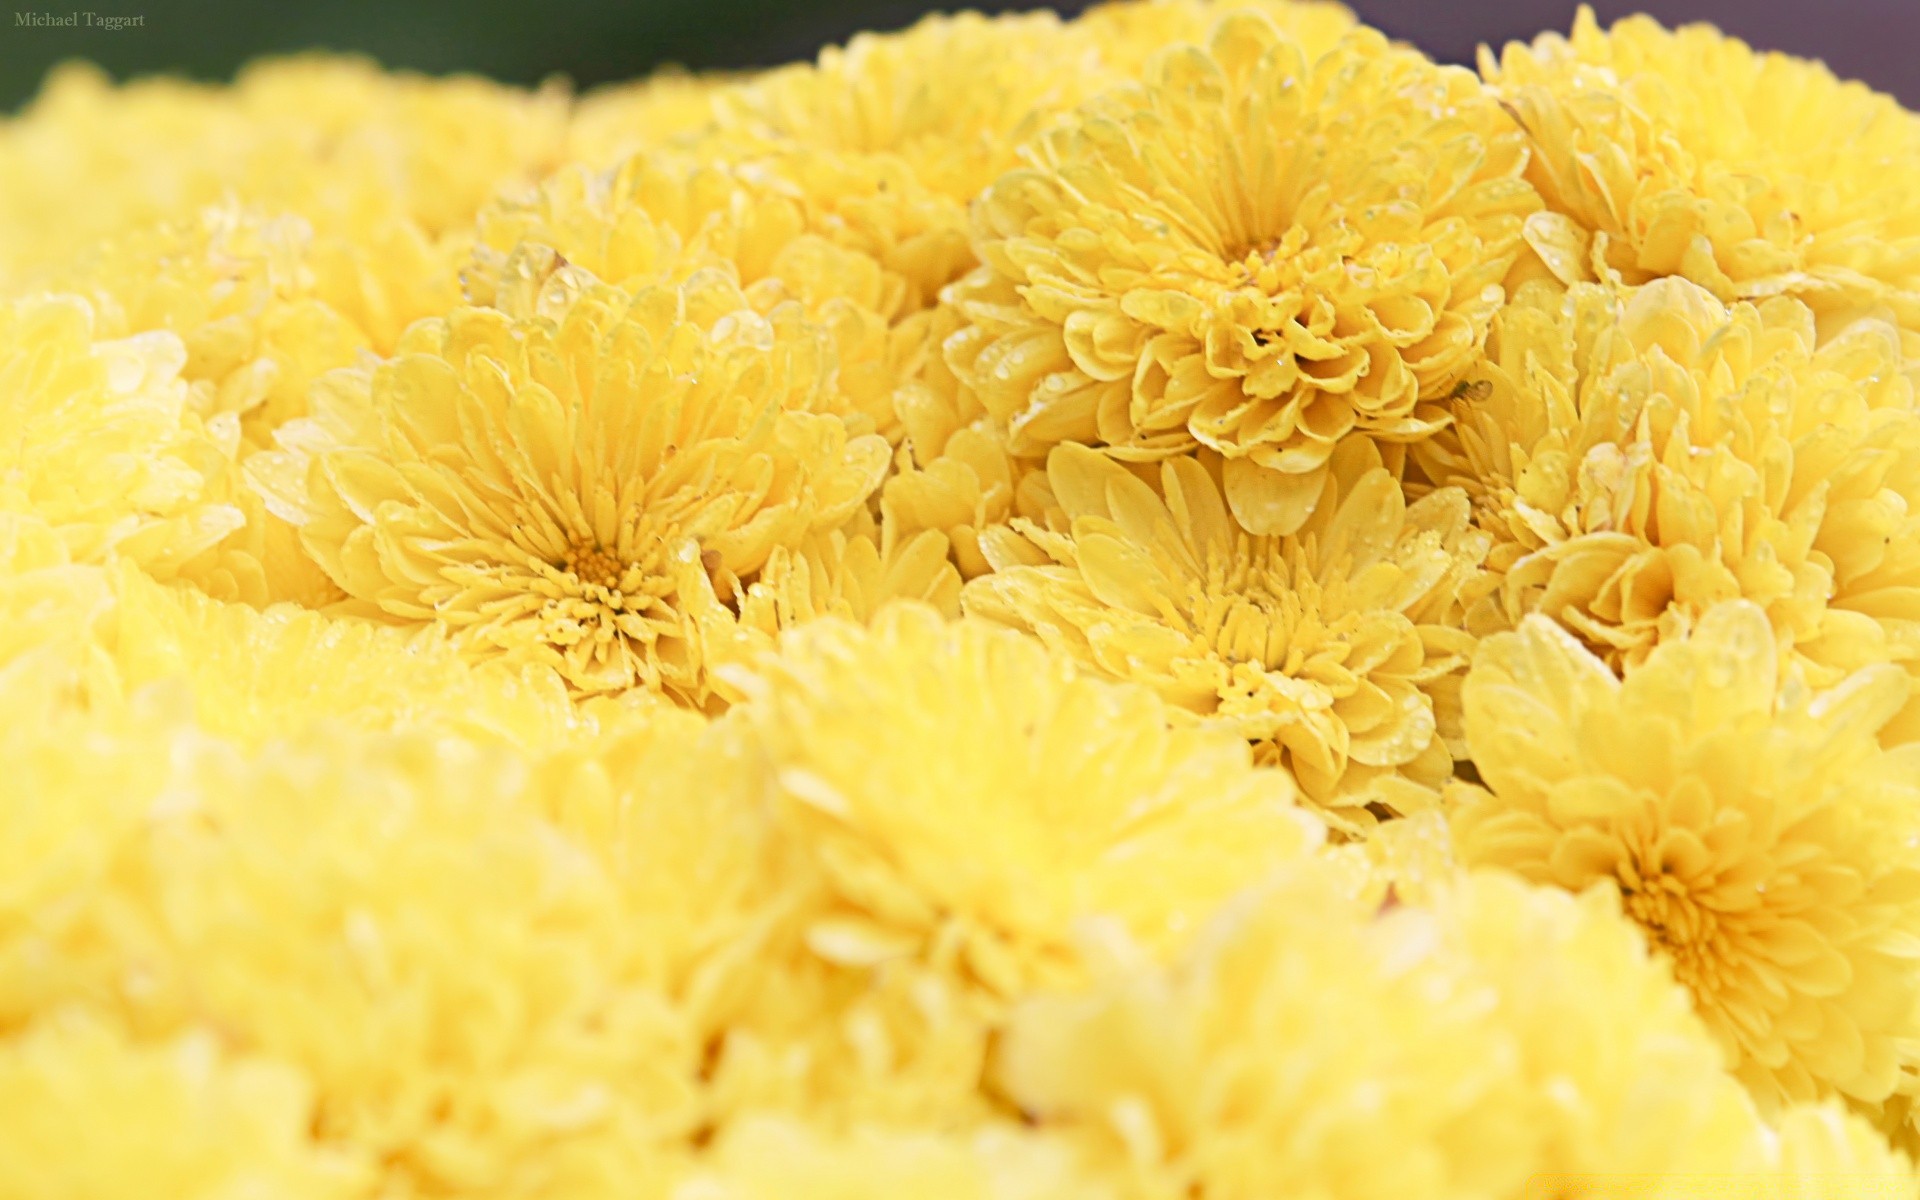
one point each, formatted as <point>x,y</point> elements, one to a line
<point>1011,797</point>
<point>1015,807</point>
<point>951,97</point>
<point>589,491</point>
<point>1329,649</point>
<point>1641,458</point>
<point>1171,271</point>
<point>1504,1035</point>
<point>952,472</point>
<point>87,1113</point>
<point>255,675</point>
<point>612,123</point>
<point>263,305</point>
<point>394,918</point>
<point>1768,854</point>
<point>662,217</point>
<point>1688,153</point>
<point>98,438</point>
<point>1824,1150</point>
<point>1129,33</point>
<point>263,308</point>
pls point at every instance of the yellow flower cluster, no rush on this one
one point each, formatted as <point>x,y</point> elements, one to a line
<point>1178,604</point>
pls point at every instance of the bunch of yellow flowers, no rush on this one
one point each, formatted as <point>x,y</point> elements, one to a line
<point>1183,604</point>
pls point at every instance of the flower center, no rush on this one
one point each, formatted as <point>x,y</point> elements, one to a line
<point>1687,932</point>
<point>594,566</point>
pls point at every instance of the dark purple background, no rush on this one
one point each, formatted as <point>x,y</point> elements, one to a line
<point>1874,40</point>
<point>595,41</point>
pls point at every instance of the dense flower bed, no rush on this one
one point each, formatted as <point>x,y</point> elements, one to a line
<point>1178,604</point>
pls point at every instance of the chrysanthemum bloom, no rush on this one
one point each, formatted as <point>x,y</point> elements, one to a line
<point>396,918</point>
<point>1331,649</point>
<point>1688,153</point>
<point>263,308</point>
<point>1014,806</point>
<point>953,472</point>
<point>256,675</point>
<point>263,304</point>
<point>1254,251</point>
<point>1129,33</point>
<point>612,123</point>
<point>1011,797</point>
<point>888,139</point>
<point>1503,1035</point>
<point>1769,854</point>
<point>663,216</point>
<point>98,439</point>
<point>589,491</point>
<point>88,1113</point>
<point>951,97</point>
<point>1640,458</point>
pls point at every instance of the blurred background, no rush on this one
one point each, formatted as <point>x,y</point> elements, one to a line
<point>596,41</point>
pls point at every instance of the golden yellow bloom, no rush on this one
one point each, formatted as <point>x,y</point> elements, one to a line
<point>1688,153</point>
<point>262,308</point>
<point>1015,809</point>
<point>392,917</point>
<point>1170,272</point>
<point>610,124</point>
<point>86,1113</point>
<point>255,675</point>
<point>1129,33</point>
<point>1011,797</point>
<point>1640,458</point>
<point>1828,1151</point>
<point>953,472</point>
<point>951,97</point>
<point>98,438</point>
<point>588,491</point>
<point>1769,854</point>
<point>1330,649</point>
<point>1502,1035</point>
<point>664,216</point>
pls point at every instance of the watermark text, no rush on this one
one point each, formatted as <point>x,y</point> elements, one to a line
<point>104,22</point>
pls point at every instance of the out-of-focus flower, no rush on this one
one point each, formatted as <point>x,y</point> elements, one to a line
<point>1329,649</point>
<point>1767,850</point>
<point>1170,272</point>
<point>88,1113</point>
<point>1504,1034</point>
<point>256,675</point>
<point>263,308</point>
<point>663,217</point>
<point>1129,34</point>
<point>1641,458</point>
<point>333,140</point>
<point>1011,797</point>
<point>98,439</point>
<point>392,917</point>
<point>767,1158</point>
<point>1688,153</point>
<point>590,491</point>
<point>951,98</point>
<point>1014,807</point>
<point>610,124</point>
<point>263,305</point>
